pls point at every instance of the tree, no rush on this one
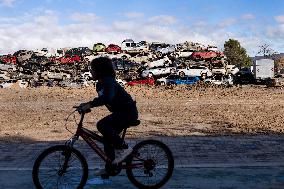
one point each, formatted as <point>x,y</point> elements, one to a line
<point>236,54</point>
<point>266,51</point>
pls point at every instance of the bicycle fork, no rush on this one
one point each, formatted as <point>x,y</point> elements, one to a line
<point>67,154</point>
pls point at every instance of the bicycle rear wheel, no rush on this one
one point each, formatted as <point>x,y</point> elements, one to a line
<point>151,164</point>
<point>60,167</point>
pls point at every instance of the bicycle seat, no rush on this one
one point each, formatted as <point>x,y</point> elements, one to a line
<point>134,123</point>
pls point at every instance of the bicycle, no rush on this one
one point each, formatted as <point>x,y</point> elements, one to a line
<point>58,165</point>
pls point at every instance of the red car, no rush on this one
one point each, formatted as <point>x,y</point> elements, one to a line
<point>69,59</point>
<point>112,48</point>
<point>206,55</point>
<point>148,81</point>
<point>9,59</point>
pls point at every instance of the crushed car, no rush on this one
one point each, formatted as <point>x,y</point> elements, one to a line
<point>158,71</point>
<point>99,47</point>
<point>199,71</point>
<point>165,80</point>
<point>187,80</point>
<point>112,48</point>
<point>9,59</point>
<point>223,81</point>
<point>8,67</point>
<point>56,75</point>
<point>206,55</point>
<point>4,75</point>
<point>147,81</point>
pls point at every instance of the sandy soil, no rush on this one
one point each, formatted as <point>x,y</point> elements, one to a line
<point>39,114</point>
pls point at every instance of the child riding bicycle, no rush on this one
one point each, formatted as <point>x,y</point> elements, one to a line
<point>119,102</point>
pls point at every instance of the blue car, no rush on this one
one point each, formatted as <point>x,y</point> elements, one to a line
<point>187,80</point>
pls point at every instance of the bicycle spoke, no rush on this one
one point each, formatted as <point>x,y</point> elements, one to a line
<point>51,173</point>
<point>48,180</point>
<point>157,167</point>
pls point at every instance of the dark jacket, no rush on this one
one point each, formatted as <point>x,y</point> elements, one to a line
<point>114,97</point>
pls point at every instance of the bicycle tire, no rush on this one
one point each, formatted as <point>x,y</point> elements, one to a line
<point>61,150</point>
<point>136,155</point>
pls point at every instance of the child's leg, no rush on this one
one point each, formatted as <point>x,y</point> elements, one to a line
<point>110,128</point>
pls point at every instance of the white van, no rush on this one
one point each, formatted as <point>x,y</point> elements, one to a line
<point>128,45</point>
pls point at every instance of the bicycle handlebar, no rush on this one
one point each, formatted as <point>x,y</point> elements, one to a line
<point>80,111</point>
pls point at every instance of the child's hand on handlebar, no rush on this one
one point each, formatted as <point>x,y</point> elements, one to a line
<point>85,107</point>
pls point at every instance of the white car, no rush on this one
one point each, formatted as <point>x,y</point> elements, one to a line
<point>55,75</point>
<point>142,58</point>
<point>8,67</point>
<point>74,84</point>
<point>212,48</point>
<point>7,84</point>
<point>4,76</point>
<point>232,69</point>
<point>158,71</point>
<point>87,76</point>
<point>225,80</point>
<point>165,49</point>
<point>120,55</point>
<point>199,71</point>
<point>161,62</point>
<point>128,45</point>
<point>23,83</point>
<point>164,80</point>
<point>121,82</point>
<point>183,54</point>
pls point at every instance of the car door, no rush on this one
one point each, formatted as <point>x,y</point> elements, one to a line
<point>165,70</point>
<point>190,80</point>
<point>157,71</point>
<point>56,75</point>
<point>182,80</point>
<point>196,71</point>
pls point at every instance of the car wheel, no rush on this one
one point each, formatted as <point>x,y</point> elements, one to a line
<point>55,83</point>
<point>204,76</point>
<point>159,54</point>
<point>162,83</point>
<point>150,74</point>
<point>181,74</point>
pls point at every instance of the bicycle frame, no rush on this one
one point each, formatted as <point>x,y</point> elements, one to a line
<point>90,137</point>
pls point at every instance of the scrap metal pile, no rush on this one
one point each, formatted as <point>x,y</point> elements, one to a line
<point>135,63</point>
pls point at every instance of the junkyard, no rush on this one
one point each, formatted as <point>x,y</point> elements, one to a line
<point>183,89</point>
<point>134,62</point>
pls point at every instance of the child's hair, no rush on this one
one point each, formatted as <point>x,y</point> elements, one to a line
<point>103,67</point>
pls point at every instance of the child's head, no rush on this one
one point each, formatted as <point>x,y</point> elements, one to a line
<point>102,67</point>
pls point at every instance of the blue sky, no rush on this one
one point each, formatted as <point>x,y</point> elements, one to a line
<point>32,24</point>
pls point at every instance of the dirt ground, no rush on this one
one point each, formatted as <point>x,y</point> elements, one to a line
<point>39,114</point>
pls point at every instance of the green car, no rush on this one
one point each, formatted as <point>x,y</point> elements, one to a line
<point>99,47</point>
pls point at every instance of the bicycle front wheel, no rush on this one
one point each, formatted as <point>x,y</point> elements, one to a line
<point>60,167</point>
<point>151,164</point>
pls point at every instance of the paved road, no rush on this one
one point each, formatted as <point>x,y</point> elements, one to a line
<point>183,178</point>
<point>201,162</point>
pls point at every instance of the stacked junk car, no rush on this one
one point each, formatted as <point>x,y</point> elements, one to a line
<point>136,63</point>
